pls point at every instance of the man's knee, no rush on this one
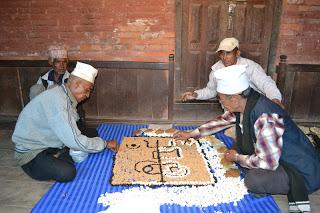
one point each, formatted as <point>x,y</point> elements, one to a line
<point>253,183</point>
<point>66,174</point>
<point>267,182</point>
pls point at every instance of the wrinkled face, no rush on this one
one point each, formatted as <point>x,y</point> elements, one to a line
<point>229,102</point>
<point>81,90</point>
<point>229,58</point>
<point>59,65</point>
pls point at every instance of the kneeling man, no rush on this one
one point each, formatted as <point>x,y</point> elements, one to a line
<point>277,156</point>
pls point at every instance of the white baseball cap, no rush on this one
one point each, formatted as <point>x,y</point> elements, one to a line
<point>232,79</point>
<point>85,71</point>
<point>228,44</point>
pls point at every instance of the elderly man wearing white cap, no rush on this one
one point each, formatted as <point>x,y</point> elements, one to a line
<point>58,74</point>
<point>229,54</point>
<point>46,129</point>
<point>276,155</point>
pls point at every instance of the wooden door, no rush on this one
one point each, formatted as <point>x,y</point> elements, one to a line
<point>204,23</point>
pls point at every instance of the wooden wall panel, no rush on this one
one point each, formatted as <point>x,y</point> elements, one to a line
<point>211,57</point>
<point>299,85</point>
<point>190,77</point>
<point>10,103</point>
<point>106,85</point>
<point>126,99</point>
<point>240,22</point>
<point>29,76</point>
<point>314,113</point>
<point>256,34</point>
<point>160,98</point>
<point>15,83</point>
<point>196,111</point>
<point>213,24</point>
<point>303,94</point>
<point>145,89</point>
<point>195,23</point>
<point>130,93</point>
<point>90,105</point>
<point>124,91</point>
<point>140,94</point>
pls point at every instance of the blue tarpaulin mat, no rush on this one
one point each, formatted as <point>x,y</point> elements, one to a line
<point>93,179</point>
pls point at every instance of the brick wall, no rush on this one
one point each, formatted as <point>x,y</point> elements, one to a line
<point>130,30</point>
<point>119,30</point>
<point>299,36</point>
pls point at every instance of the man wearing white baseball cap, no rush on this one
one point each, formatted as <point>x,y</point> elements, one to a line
<point>229,54</point>
<point>275,154</point>
<point>46,129</point>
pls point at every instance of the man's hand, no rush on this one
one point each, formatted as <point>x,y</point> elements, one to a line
<point>182,135</point>
<point>187,96</point>
<point>231,155</point>
<point>277,101</point>
<point>113,145</point>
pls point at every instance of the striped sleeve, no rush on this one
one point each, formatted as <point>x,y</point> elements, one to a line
<point>221,122</point>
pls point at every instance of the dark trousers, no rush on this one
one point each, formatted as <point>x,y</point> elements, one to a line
<point>51,164</point>
<point>263,181</point>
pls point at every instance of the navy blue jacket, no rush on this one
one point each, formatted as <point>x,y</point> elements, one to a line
<point>297,150</point>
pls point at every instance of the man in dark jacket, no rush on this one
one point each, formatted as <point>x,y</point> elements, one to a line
<point>278,157</point>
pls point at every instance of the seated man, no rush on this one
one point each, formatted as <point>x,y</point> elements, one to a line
<point>58,74</point>
<point>278,157</point>
<point>229,54</point>
<point>46,129</point>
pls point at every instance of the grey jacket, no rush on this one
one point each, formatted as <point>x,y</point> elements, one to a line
<point>49,121</point>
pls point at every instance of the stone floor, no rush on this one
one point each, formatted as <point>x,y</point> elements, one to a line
<point>19,193</point>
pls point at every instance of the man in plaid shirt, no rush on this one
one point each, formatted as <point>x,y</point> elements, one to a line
<point>277,156</point>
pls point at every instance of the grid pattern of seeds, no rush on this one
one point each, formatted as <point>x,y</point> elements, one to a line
<point>159,161</point>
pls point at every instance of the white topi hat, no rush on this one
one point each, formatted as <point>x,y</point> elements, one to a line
<point>232,79</point>
<point>57,51</point>
<point>228,44</point>
<point>85,71</point>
